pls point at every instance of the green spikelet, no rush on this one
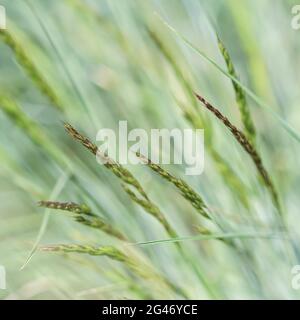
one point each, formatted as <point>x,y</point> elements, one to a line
<point>239,95</point>
<point>197,121</point>
<point>108,251</point>
<point>31,128</point>
<point>136,266</point>
<point>152,209</point>
<point>32,71</point>
<point>187,192</point>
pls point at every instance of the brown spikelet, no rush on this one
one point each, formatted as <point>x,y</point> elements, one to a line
<point>83,214</point>
<point>109,163</point>
<point>84,141</point>
<point>67,206</point>
<point>127,178</point>
<point>248,147</point>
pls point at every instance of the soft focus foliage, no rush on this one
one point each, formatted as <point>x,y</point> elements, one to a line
<point>92,63</point>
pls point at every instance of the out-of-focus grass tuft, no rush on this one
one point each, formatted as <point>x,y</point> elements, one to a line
<point>93,63</point>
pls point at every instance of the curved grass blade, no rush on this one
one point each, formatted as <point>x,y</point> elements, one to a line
<point>54,194</point>
<point>67,72</point>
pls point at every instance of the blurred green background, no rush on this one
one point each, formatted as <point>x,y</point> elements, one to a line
<point>104,64</point>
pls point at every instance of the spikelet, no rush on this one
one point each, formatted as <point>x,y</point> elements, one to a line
<point>83,214</point>
<point>240,96</point>
<point>187,192</point>
<point>135,265</point>
<point>128,180</point>
<point>192,115</point>
<point>249,148</point>
<point>32,71</point>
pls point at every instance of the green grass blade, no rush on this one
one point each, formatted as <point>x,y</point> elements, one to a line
<point>221,236</point>
<point>54,194</point>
